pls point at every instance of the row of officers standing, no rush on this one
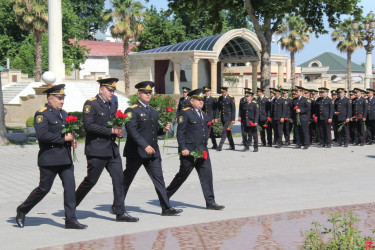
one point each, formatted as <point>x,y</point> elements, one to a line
<point>102,151</point>
<point>310,114</point>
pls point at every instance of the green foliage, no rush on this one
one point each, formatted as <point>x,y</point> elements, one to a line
<point>218,128</point>
<point>81,130</point>
<point>133,99</point>
<point>341,234</point>
<point>30,121</point>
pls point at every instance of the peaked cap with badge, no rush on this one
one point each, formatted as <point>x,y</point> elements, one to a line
<point>109,83</point>
<point>197,94</point>
<point>145,86</point>
<point>57,90</point>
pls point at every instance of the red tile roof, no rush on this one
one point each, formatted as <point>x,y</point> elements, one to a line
<point>102,49</point>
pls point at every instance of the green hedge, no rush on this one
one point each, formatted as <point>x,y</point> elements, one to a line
<point>30,121</point>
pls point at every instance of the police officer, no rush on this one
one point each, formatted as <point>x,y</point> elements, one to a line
<point>352,122</point>
<point>370,117</point>
<point>249,120</point>
<point>242,101</point>
<point>342,115</point>
<point>54,158</point>
<point>264,117</point>
<point>313,127</point>
<point>142,148</point>
<point>227,109</point>
<point>210,108</point>
<point>288,109</point>
<point>325,108</point>
<point>333,123</point>
<point>101,149</point>
<point>360,106</point>
<point>277,117</point>
<point>184,101</point>
<point>301,110</point>
<point>192,135</point>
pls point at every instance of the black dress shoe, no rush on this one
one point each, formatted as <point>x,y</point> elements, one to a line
<point>20,218</point>
<point>126,217</point>
<point>74,224</point>
<point>269,145</point>
<point>214,147</point>
<point>218,149</point>
<point>305,147</point>
<point>362,144</point>
<point>297,146</point>
<point>278,146</point>
<point>231,148</point>
<point>328,145</point>
<point>345,145</point>
<point>215,206</point>
<point>245,149</point>
<point>255,150</point>
<point>170,211</point>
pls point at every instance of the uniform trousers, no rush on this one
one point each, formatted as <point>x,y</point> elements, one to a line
<point>359,135</point>
<point>226,134</point>
<point>370,130</point>
<point>47,176</point>
<point>263,133</point>
<point>250,133</point>
<point>286,131</point>
<point>343,134</point>
<point>95,166</point>
<point>325,131</point>
<point>204,170</point>
<point>301,133</point>
<point>313,131</point>
<point>154,170</point>
<point>212,136</point>
<point>278,131</point>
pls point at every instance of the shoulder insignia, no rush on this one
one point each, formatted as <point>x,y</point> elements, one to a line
<point>87,109</point>
<point>92,99</point>
<point>39,118</point>
<point>129,114</point>
<point>308,100</point>
<point>366,101</point>
<point>42,109</point>
<point>333,102</point>
<point>230,95</point>
<point>254,101</point>
<point>286,102</point>
<point>350,101</point>
<point>134,106</point>
<point>257,105</point>
<point>180,119</point>
<point>186,109</point>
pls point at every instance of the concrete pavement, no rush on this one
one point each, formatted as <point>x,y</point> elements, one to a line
<point>247,183</point>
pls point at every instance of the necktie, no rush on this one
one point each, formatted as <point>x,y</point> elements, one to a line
<point>108,105</point>
<point>200,114</point>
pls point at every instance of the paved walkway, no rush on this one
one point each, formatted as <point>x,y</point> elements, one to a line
<point>248,184</point>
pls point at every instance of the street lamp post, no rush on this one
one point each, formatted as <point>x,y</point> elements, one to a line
<point>367,35</point>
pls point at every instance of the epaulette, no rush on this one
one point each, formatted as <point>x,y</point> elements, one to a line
<point>134,106</point>
<point>254,101</point>
<point>42,109</point>
<point>92,99</point>
<point>230,95</point>
<point>186,108</point>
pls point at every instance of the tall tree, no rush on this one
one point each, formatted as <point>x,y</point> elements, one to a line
<point>126,17</point>
<point>294,36</point>
<point>3,130</point>
<point>266,17</point>
<point>32,15</point>
<point>348,41</point>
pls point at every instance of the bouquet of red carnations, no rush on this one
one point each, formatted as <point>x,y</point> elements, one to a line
<point>72,126</point>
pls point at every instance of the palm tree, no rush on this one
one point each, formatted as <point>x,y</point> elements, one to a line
<point>126,17</point>
<point>294,36</point>
<point>3,130</point>
<point>349,41</point>
<point>32,15</point>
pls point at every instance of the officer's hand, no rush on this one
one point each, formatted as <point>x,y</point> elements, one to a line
<point>167,127</point>
<point>329,120</point>
<point>298,111</point>
<point>347,120</point>
<point>256,124</point>
<point>114,131</point>
<point>215,120</point>
<point>150,150</point>
<point>185,152</point>
<point>120,132</point>
<point>239,119</point>
<point>282,120</point>
<point>74,143</point>
<point>337,113</point>
<point>364,119</point>
<point>233,122</point>
<point>291,120</point>
<point>69,137</point>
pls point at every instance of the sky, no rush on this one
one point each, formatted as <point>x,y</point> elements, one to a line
<point>315,47</point>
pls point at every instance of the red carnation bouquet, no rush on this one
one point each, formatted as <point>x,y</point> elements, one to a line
<point>119,121</point>
<point>166,116</point>
<point>72,126</point>
<point>229,128</point>
<point>197,154</point>
<point>297,116</point>
<point>315,118</point>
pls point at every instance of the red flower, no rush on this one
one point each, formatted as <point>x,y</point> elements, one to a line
<point>296,107</point>
<point>314,116</point>
<point>209,123</point>
<point>169,109</point>
<point>228,129</point>
<point>252,124</point>
<point>71,118</point>
<point>360,116</point>
<point>124,115</point>
<point>286,118</point>
<point>205,155</point>
<point>155,96</point>
<point>265,126</point>
<point>354,117</point>
<point>118,113</point>
<point>269,119</point>
<point>369,244</point>
<point>316,119</point>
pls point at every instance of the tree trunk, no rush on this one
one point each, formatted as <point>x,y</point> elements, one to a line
<point>349,70</point>
<point>126,67</point>
<point>3,129</point>
<point>293,69</point>
<point>38,56</point>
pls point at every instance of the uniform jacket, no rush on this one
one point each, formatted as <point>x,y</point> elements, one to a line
<point>210,107</point>
<point>143,130</point>
<point>277,108</point>
<point>360,107</point>
<point>264,108</point>
<point>242,101</point>
<point>192,130</point>
<point>227,108</point>
<point>182,103</point>
<point>250,112</point>
<point>288,107</point>
<point>304,105</point>
<point>54,151</point>
<point>344,107</point>
<point>371,109</point>
<point>325,108</point>
<point>100,142</point>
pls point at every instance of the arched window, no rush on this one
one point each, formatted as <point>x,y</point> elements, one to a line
<point>333,77</point>
<point>315,65</point>
<point>307,78</point>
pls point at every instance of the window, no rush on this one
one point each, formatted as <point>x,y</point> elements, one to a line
<point>307,78</point>
<point>182,76</point>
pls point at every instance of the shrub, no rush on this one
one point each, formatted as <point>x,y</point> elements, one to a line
<point>30,121</point>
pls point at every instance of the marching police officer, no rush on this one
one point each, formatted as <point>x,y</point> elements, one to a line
<point>142,148</point>
<point>264,117</point>
<point>227,109</point>
<point>288,110</point>
<point>192,136</point>
<point>277,117</point>
<point>301,111</point>
<point>249,120</point>
<point>342,115</point>
<point>360,106</point>
<point>313,127</point>
<point>101,149</point>
<point>370,117</point>
<point>210,108</point>
<point>325,108</point>
<point>184,101</point>
<point>54,158</point>
<point>242,101</point>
